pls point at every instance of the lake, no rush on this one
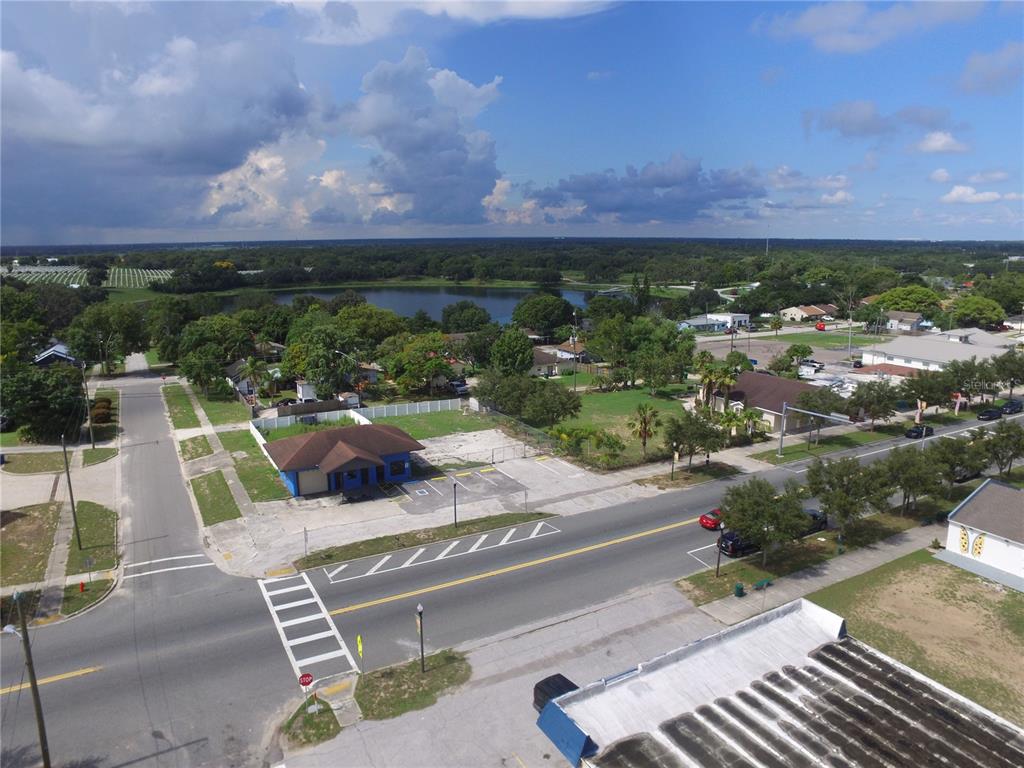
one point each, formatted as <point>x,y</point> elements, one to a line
<point>406,301</point>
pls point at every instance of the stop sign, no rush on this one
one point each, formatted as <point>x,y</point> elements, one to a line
<point>305,679</point>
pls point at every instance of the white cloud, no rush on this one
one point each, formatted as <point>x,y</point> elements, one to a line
<point>175,72</point>
<point>840,197</point>
<point>852,27</point>
<point>988,177</point>
<point>994,71</point>
<point>939,175</point>
<point>940,142</point>
<point>784,177</point>
<point>599,74</point>
<point>461,95</point>
<point>964,194</point>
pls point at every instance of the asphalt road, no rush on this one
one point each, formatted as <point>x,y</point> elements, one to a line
<point>192,670</point>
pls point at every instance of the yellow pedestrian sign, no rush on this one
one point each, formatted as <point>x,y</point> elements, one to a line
<point>359,645</point>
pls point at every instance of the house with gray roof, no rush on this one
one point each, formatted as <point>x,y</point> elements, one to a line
<point>934,352</point>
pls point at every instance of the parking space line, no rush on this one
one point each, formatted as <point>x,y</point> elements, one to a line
<point>378,565</point>
<point>489,469</point>
<point>448,549</point>
<point>463,474</point>
<point>310,638</point>
<point>506,474</point>
<point>336,571</point>
<point>508,536</point>
<point>537,529</point>
<point>549,469</point>
<point>482,477</point>
<point>478,543</point>
<point>542,458</point>
<point>409,562</point>
<point>439,477</point>
<point>433,488</point>
<point>700,549</point>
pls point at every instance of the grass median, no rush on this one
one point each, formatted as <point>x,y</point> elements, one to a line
<point>704,587</point>
<point>34,463</point>
<point>26,542</point>
<point>393,691</point>
<point>195,448</point>
<point>92,456</point>
<point>98,526</point>
<point>685,476</point>
<point>179,407</point>
<point>261,481</point>
<point>419,538</point>
<point>76,599</point>
<point>798,450</point>
<point>216,504</point>
<point>305,728</point>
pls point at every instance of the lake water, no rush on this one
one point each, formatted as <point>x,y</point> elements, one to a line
<point>406,301</point>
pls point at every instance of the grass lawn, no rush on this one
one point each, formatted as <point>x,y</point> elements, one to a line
<point>10,439</point>
<point>26,542</point>
<point>797,449</point>
<point>789,558</point>
<point>27,463</point>
<point>98,526</point>
<point>261,480</point>
<point>109,431</point>
<point>224,411</point>
<point>830,339</point>
<point>583,379</point>
<point>75,600</point>
<point>393,691</point>
<point>216,504</point>
<point>424,425</point>
<point>300,429</point>
<point>305,729</point>
<point>419,538</point>
<point>930,616</point>
<point>195,448</point>
<point>92,456</point>
<point>179,406</point>
<point>684,477</point>
<point>119,295</point>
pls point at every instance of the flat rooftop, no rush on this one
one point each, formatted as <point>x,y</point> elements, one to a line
<point>787,688</point>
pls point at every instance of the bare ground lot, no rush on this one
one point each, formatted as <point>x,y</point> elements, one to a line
<point>962,630</point>
<point>481,447</point>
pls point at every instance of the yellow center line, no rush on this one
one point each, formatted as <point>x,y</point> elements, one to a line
<point>512,568</point>
<point>51,679</point>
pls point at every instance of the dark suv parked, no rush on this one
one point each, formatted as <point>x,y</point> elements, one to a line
<point>551,688</point>
<point>733,546</point>
<point>1012,406</point>
<point>817,522</point>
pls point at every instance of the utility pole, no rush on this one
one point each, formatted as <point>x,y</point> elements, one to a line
<point>574,357</point>
<point>71,494</point>
<point>44,747</point>
<point>88,409</point>
<point>455,502</point>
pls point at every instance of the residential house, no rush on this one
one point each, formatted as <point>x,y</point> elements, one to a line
<point>578,351</point>
<point>58,353</point>
<point>707,323</point>
<point>809,312</point>
<point>343,459</point>
<point>545,363</point>
<point>767,393</point>
<point>903,322</point>
<point>933,352</point>
<point>986,534</point>
<point>270,351</point>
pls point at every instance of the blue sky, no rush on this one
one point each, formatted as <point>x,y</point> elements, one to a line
<point>127,122</point>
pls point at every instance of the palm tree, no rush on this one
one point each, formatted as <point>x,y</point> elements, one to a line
<point>255,370</point>
<point>703,364</point>
<point>644,424</point>
<point>724,382</point>
<point>751,417</point>
<point>731,420</point>
<point>775,324</point>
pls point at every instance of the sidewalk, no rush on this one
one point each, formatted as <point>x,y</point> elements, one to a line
<point>731,610</point>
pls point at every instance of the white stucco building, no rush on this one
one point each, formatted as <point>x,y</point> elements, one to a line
<point>933,351</point>
<point>986,534</point>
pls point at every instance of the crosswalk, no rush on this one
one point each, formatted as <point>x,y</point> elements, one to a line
<point>443,550</point>
<point>309,636</point>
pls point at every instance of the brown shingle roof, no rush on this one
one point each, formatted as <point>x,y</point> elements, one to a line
<point>760,390</point>
<point>540,357</point>
<point>996,508</point>
<point>343,448</point>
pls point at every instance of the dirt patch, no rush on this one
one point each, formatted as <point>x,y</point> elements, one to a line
<point>483,446</point>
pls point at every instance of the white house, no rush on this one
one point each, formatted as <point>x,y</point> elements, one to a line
<point>809,312</point>
<point>933,352</point>
<point>546,364</point>
<point>905,322</point>
<point>731,319</point>
<point>986,534</point>
<point>304,391</point>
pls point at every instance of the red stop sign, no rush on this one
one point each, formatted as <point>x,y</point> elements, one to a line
<point>305,679</point>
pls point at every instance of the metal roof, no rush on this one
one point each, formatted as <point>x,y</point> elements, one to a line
<point>995,508</point>
<point>934,350</point>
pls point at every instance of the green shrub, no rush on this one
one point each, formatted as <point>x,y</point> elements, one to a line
<point>103,401</point>
<point>100,416</point>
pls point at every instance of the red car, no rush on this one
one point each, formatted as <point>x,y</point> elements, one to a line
<point>711,520</point>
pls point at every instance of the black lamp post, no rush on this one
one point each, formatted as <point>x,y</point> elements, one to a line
<point>419,624</point>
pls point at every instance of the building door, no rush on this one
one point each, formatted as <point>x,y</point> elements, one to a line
<point>365,476</point>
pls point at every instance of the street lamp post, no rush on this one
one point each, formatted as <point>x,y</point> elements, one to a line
<point>419,625</point>
<point>575,359</point>
<point>455,503</point>
<point>672,473</point>
<point>44,747</point>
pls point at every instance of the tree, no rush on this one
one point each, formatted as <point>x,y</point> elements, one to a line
<point>847,490</point>
<point>731,420</point>
<point>641,293</point>
<point>106,333</point>
<point>820,400</point>
<point>364,326</point>
<point>44,402</point>
<point>166,318</point>
<point>692,432</point>
<point>912,472</point>
<point>512,353</point>
<point>505,393</point>
<point>775,324</point>
<point>644,424</point>
<point>421,322</point>
<point>875,399</point>
<point>542,312</point>
<point>328,366</point>
<point>737,362</point>
<point>760,515</point>
<point>224,332</point>
<point>957,459</point>
<point>1005,444</point>
<point>548,403</point>
<point>972,311</point>
<point>256,371</point>
<point>1009,369</point>
<point>202,366</point>
<point>781,365</point>
<point>799,352</point>
<point>477,346</point>
<point>925,389</point>
<point>463,317</point>
<point>872,315</point>
<point>96,276</point>
<point>423,361</point>
<point>913,298</point>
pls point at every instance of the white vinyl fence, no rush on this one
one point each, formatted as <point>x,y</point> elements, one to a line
<point>365,415</point>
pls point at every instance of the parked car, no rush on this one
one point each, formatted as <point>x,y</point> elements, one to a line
<point>459,388</point>
<point>990,414</point>
<point>285,401</point>
<point>729,331</point>
<point>732,545</point>
<point>1012,406</point>
<point>711,520</point>
<point>918,431</point>
<point>817,521</point>
<point>858,363</point>
<point>817,364</point>
<point>551,688</point>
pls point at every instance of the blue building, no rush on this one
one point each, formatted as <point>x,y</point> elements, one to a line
<point>343,459</point>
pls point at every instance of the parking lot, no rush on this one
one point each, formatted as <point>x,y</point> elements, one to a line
<point>418,497</point>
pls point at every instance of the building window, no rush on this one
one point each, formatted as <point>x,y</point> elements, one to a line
<point>396,468</point>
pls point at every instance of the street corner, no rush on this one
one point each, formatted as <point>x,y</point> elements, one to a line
<point>279,571</point>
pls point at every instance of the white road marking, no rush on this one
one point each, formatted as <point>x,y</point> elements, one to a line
<point>336,571</point>
<point>478,543</point>
<point>162,560</point>
<point>282,590</point>
<point>700,549</point>
<point>432,487</point>
<point>537,530</point>
<point>508,536</point>
<point>322,657</point>
<point>165,570</point>
<point>378,565</point>
<point>448,549</point>
<point>484,477</point>
<point>281,578</point>
<point>310,638</point>
<point>452,478</point>
<point>295,604</point>
<point>409,562</point>
<point>301,620</point>
<point>543,465</point>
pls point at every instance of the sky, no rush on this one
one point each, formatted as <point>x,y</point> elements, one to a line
<point>224,121</point>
